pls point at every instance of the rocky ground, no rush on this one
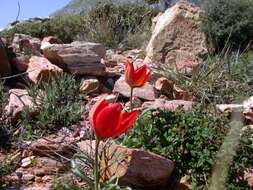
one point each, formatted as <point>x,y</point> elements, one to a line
<point>44,159</point>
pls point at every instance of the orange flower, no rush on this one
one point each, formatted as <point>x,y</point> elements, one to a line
<point>136,77</point>
<point>108,120</point>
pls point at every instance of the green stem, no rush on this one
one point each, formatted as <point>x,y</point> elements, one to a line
<point>96,164</point>
<point>131,99</point>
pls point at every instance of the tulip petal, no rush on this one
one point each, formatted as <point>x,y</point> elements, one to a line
<point>127,119</point>
<point>129,71</point>
<point>107,120</point>
<point>98,106</point>
<point>141,76</point>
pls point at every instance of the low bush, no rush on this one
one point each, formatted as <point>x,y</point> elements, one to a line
<point>228,21</point>
<point>111,24</point>
<point>57,104</point>
<point>191,139</point>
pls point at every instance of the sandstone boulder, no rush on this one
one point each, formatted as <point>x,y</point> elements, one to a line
<point>41,70</point>
<point>18,100</point>
<point>136,168</point>
<point>77,57</point>
<point>176,36</point>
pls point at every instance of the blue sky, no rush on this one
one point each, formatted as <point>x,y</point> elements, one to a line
<point>29,8</point>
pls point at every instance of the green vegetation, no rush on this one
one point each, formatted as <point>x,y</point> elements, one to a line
<point>107,23</point>
<point>222,78</point>
<point>228,21</point>
<point>57,104</point>
<point>242,162</point>
<point>191,139</point>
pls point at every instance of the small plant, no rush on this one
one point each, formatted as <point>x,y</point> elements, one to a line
<point>191,139</point>
<point>57,104</point>
<point>228,21</point>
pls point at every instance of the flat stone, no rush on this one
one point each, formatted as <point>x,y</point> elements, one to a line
<point>78,57</point>
<point>147,92</point>
<point>168,104</point>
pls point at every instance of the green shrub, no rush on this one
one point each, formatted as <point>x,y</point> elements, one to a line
<point>57,104</point>
<point>228,20</point>
<point>243,161</point>
<point>111,24</point>
<point>64,27</point>
<point>191,139</point>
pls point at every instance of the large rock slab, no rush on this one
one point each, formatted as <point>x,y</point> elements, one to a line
<point>77,57</point>
<point>136,168</point>
<point>133,167</point>
<point>176,38</point>
<point>41,70</point>
<point>5,68</point>
<point>147,92</point>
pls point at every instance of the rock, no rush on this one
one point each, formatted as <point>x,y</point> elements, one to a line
<point>147,92</point>
<point>27,161</point>
<point>27,44</point>
<point>165,86</point>
<point>54,145</point>
<point>20,62</point>
<point>77,57</point>
<point>28,177</point>
<point>48,166</point>
<point>136,168</point>
<point>181,94</point>
<point>168,105</point>
<point>89,85</point>
<point>5,68</point>
<point>177,36</point>
<point>183,184</point>
<point>248,109</point>
<point>41,70</point>
<point>47,41</point>
<point>185,65</point>
<point>248,176</point>
<point>18,100</point>
<point>229,107</point>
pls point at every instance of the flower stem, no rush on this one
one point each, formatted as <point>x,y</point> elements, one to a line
<point>131,99</point>
<point>96,164</point>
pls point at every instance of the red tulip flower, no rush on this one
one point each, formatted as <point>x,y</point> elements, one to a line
<point>108,120</point>
<point>136,77</point>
